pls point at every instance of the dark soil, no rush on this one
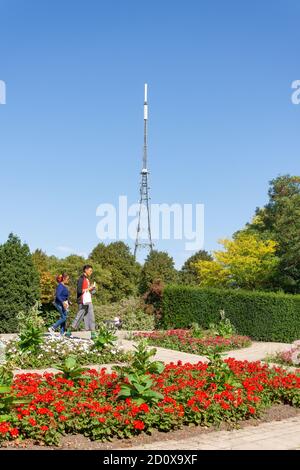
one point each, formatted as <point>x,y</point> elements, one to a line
<point>79,442</point>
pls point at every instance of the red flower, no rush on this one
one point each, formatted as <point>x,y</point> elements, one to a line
<point>14,432</point>
<point>32,422</point>
<point>102,420</point>
<point>144,407</point>
<point>251,410</point>
<point>44,428</point>
<point>138,425</point>
<point>62,418</point>
<point>4,427</point>
<point>225,406</point>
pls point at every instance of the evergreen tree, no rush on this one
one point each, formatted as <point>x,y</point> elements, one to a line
<point>279,220</point>
<point>158,266</point>
<point>19,282</point>
<point>189,274</point>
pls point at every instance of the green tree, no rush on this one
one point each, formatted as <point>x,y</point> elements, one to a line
<point>247,262</point>
<point>19,282</point>
<point>158,266</point>
<point>124,270</point>
<point>188,274</point>
<point>279,220</point>
<point>46,278</point>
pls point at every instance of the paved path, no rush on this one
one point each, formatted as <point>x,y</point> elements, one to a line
<point>276,435</point>
<point>257,351</point>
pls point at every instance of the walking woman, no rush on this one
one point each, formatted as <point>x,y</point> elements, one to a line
<point>61,303</point>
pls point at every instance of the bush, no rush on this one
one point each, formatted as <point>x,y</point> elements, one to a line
<point>131,311</point>
<point>19,282</point>
<point>49,314</point>
<point>263,316</point>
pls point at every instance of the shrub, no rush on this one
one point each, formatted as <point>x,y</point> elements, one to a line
<point>224,328</point>
<point>104,337</point>
<point>131,311</point>
<point>263,316</point>
<point>19,282</point>
<point>31,327</point>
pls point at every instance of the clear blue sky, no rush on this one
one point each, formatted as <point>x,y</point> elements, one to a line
<point>222,123</point>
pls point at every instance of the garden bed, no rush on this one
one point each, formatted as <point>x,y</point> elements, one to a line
<point>183,340</point>
<point>54,349</point>
<point>291,357</point>
<point>80,442</point>
<point>202,394</point>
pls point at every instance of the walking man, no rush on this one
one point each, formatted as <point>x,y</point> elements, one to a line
<point>84,300</point>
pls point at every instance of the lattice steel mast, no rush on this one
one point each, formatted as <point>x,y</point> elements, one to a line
<point>144,188</point>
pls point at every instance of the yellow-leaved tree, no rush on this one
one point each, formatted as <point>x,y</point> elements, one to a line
<point>246,261</point>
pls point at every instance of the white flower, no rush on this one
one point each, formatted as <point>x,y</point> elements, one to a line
<point>295,357</point>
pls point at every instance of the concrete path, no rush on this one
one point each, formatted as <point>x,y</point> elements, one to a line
<point>276,435</point>
<point>257,351</point>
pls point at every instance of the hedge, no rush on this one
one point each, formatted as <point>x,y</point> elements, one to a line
<point>263,316</point>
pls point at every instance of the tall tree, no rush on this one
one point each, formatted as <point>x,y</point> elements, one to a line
<point>247,262</point>
<point>19,282</point>
<point>158,266</point>
<point>46,278</point>
<point>189,274</point>
<point>124,270</point>
<point>279,220</point>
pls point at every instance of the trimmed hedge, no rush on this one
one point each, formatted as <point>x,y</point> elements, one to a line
<point>263,316</point>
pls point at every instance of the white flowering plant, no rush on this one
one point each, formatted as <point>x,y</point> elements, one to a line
<point>56,348</point>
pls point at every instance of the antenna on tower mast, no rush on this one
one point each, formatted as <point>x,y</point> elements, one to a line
<point>144,189</point>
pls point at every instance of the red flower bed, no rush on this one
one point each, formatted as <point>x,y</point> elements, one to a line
<point>192,393</point>
<point>182,340</point>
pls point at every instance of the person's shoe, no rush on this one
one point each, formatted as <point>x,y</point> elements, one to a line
<point>51,330</point>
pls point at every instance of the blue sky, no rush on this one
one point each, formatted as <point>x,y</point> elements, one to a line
<point>221,125</point>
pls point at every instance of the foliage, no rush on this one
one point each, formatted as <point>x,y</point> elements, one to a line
<point>131,311</point>
<point>19,282</point>
<point>153,300</point>
<point>104,337</point>
<point>141,362</point>
<point>189,274</point>
<point>124,270</point>
<point>46,278</point>
<point>247,262</point>
<point>6,374</point>
<point>202,394</point>
<point>263,316</point>
<point>158,266</point>
<point>196,330</point>
<point>139,387</point>
<point>219,372</point>
<point>70,369</point>
<point>279,220</point>
<point>31,327</point>
<point>7,399</point>
<point>224,328</point>
<point>138,384</point>
<point>47,287</point>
